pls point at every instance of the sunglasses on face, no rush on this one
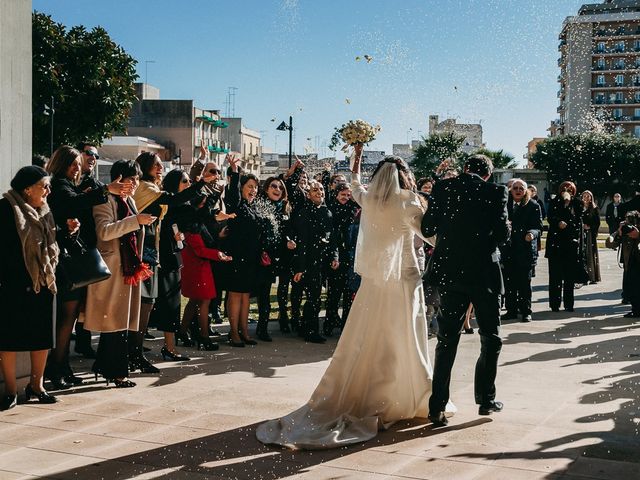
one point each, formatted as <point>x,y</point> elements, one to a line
<point>316,189</point>
<point>89,153</point>
<point>214,171</point>
<point>185,180</point>
<point>275,186</point>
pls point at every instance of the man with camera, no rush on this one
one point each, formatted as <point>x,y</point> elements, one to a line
<point>628,238</point>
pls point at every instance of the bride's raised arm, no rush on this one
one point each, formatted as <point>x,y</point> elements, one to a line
<point>358,190</point>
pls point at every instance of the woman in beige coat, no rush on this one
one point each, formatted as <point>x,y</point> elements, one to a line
<point>113,306</point>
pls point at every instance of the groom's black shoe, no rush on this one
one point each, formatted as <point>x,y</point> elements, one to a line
<point>489,408</point>
<point>438,419</point>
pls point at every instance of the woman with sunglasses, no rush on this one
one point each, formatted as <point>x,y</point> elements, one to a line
<point>69,201</point>
<point>563,246</point>
<point>150,198</point>
<point>273,206</point>
<point>520,254</point>
<point>166,314</point>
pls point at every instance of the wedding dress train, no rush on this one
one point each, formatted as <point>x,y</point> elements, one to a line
<point>380,372</point>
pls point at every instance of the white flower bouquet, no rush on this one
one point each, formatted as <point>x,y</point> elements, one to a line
<point>352,133</point>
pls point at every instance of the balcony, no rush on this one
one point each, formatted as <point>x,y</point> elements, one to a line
<point>561,108</point>
<point>617,33</point>
<point>561,44</point>
<point>624,85</point>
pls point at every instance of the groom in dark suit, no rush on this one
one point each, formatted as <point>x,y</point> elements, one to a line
<point>469,218</point>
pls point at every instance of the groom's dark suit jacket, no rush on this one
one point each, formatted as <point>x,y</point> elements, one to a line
<point>469,217</point>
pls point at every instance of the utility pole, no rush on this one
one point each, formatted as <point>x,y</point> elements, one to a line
<point>146,77</point>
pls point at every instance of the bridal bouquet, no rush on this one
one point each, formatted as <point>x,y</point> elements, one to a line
<point>352,133</point>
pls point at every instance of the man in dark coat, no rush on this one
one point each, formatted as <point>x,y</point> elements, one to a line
<point>614,214</point>
<point>316,251</point>
<point>469,218</point>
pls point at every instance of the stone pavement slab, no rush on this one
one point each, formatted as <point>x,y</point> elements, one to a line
<point>569,382</point>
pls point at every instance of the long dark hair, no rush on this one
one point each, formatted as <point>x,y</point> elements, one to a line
<point>172,180</point>
<point>286,207</point>
<point>60,161</point>
<point>125,168</point>
<point>146,161</point>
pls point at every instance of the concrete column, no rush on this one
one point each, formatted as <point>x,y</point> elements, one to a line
<point>15,100</point>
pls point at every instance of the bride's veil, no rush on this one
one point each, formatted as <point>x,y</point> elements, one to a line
<point>379,248</point>
<point>384,184</point>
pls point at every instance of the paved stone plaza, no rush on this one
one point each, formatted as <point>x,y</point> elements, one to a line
<point>569,383</point>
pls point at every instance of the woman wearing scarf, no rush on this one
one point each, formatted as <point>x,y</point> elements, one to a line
<point>151,199</point>
<point>273,210</point>
<point>27,281</point>
<point>113,306</point>
<point>590,225</point>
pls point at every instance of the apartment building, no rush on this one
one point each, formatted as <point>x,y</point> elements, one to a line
<point>178,125</point>
<point>245,142</point>
<point>600,69</point>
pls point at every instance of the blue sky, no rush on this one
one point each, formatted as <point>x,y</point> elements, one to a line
<point>492,61</point>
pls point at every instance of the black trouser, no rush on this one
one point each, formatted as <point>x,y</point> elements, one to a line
<point>453,306</point>
<point>112,358</point>
<point>284,279</point>
<point>296,299</point>
<point>517,285</point>
<point>561,282</point>
<point>312,286</point>
<point>263,295</point>
<point>338,290</point>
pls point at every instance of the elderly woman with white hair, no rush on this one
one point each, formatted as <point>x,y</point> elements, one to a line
<point>520,254</point>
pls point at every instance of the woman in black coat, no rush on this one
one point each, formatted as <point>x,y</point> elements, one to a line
<point>563,247</point>
<point>68,202</point>
<point>591,225</point>
<point>244,244</point>
<point>27,281</point>
<point>273,209</point>
<point>520,254</point>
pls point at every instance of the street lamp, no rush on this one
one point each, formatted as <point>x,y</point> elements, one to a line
<point>282,127</point>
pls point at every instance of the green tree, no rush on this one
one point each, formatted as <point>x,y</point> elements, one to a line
<point>600,162</point>
<point>90,78</point>
<point>434,149</point>
<point>499,158</point>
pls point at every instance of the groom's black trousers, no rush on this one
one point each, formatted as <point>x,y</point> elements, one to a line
<point>453,305</point>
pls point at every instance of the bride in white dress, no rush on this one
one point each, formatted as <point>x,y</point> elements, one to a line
<point>380,372</point>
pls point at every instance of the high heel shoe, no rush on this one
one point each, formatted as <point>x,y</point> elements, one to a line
<point>246,340</point>
<point>232,343</point>
<point>205,343</point>
<point>143,364</point>
<point>184,338</point>
<point>8,401</point>
<point>53,372</point>
<point>173,356</point>
<point>43,396</point>
<point>120,383</point>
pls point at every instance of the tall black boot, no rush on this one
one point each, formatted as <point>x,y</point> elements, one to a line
<point>262,332</point>
<point>137,360</point>
<point>283,320</point>
<point>83,342</point>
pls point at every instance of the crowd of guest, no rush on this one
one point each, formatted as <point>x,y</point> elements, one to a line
<point>218,244</point>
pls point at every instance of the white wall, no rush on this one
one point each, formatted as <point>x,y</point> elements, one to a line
<point>15,104</point>
<point>15,88</point>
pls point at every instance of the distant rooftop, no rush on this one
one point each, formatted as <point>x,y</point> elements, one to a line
<point>610,6</point>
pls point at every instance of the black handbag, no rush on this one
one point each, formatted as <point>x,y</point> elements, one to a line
<point>80,266</point>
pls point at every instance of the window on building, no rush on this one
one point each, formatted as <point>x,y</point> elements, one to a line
<point>636,45</point>
<point>620,46</point>
<point>636,131</point>
<point>617,113</point>
<point>619,97</point>
<point>636,80</point>
<point>600,80</point>
<point>600,48</point>
<point>619,64</point>
<point>619,80</point>
<point>599,98</point>
<point>637,97</point>
<point>636,113</point>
